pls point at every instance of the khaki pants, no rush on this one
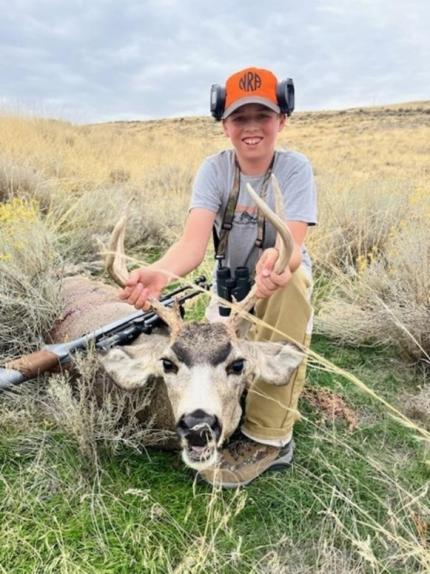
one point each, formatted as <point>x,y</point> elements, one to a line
<point>271,411</point>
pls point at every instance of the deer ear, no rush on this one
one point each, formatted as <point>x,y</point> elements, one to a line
<point>131,367</point>
<point>274,363</point>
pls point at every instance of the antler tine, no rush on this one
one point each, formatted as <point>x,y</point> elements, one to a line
<point>285,250</point>
<point>171,316</point>
<point>115,258</point>
<point>287,242</point>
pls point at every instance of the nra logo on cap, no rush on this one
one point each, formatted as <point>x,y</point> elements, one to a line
<point>250,82</point>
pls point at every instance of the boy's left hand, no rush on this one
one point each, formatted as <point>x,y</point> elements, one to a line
<point>266,280</point>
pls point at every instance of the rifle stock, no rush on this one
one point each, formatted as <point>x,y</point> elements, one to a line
<point>29,367</point>
<point>35,363</point>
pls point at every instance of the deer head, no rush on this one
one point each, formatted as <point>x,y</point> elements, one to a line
<point>205,366</point>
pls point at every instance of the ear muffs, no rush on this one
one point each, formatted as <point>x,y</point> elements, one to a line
<point>217,103</point>
<point>284,95</point>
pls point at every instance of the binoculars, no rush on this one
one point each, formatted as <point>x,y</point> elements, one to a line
<point>229,287</point>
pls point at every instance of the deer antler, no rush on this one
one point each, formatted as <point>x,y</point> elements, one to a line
<point>115,263</point>
<point>115,258</point>
<point>285,251</point>
<point>171,316</point>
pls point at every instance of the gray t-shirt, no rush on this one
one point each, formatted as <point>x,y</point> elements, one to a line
<point>211,190</point>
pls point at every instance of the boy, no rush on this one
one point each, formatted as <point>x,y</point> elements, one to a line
<point>252,109</point>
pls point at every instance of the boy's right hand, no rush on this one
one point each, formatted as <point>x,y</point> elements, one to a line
<point>142,284</point>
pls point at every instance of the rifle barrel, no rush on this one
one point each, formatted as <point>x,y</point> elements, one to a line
<point>10,378</point>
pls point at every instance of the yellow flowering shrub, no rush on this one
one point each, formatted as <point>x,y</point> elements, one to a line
<point>13,215</point>
<point>17,211</point>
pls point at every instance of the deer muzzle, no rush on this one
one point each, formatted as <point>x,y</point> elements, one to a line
<point>199,433</point>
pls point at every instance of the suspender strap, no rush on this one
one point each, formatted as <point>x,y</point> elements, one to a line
<point>220,243</point>
<point>227,220</point>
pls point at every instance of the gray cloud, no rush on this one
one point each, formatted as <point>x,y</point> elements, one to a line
<point>157,58</point>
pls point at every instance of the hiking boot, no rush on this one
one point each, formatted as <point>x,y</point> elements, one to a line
<point>243,460</point>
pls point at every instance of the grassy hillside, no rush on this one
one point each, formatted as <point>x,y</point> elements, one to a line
<point>81,493</point>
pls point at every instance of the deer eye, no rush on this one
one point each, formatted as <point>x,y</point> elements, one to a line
<point>236,367</point>
<point>169,366</point>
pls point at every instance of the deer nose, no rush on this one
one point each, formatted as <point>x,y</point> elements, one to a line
<point>199,427</point>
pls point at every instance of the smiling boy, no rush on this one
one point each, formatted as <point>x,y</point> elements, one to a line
<point>253,109</point>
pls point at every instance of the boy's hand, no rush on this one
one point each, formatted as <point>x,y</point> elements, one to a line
<point>142,284</point>
<point>266,280</point>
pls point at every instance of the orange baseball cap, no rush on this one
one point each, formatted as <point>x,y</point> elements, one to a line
<point>251,86</point>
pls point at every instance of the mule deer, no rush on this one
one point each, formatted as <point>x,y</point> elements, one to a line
<point>205,367</point>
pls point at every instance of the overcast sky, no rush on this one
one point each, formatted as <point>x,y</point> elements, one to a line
<point>98,60</point>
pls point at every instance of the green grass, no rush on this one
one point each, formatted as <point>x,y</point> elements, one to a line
<point>352,501</point>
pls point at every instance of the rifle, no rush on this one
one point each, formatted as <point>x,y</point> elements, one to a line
<point>120,332</point>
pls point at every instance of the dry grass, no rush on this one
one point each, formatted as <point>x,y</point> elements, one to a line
<point>417,406</point>
<point>29,278</point>
<point>97,415</point>
<point>385,297</point>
